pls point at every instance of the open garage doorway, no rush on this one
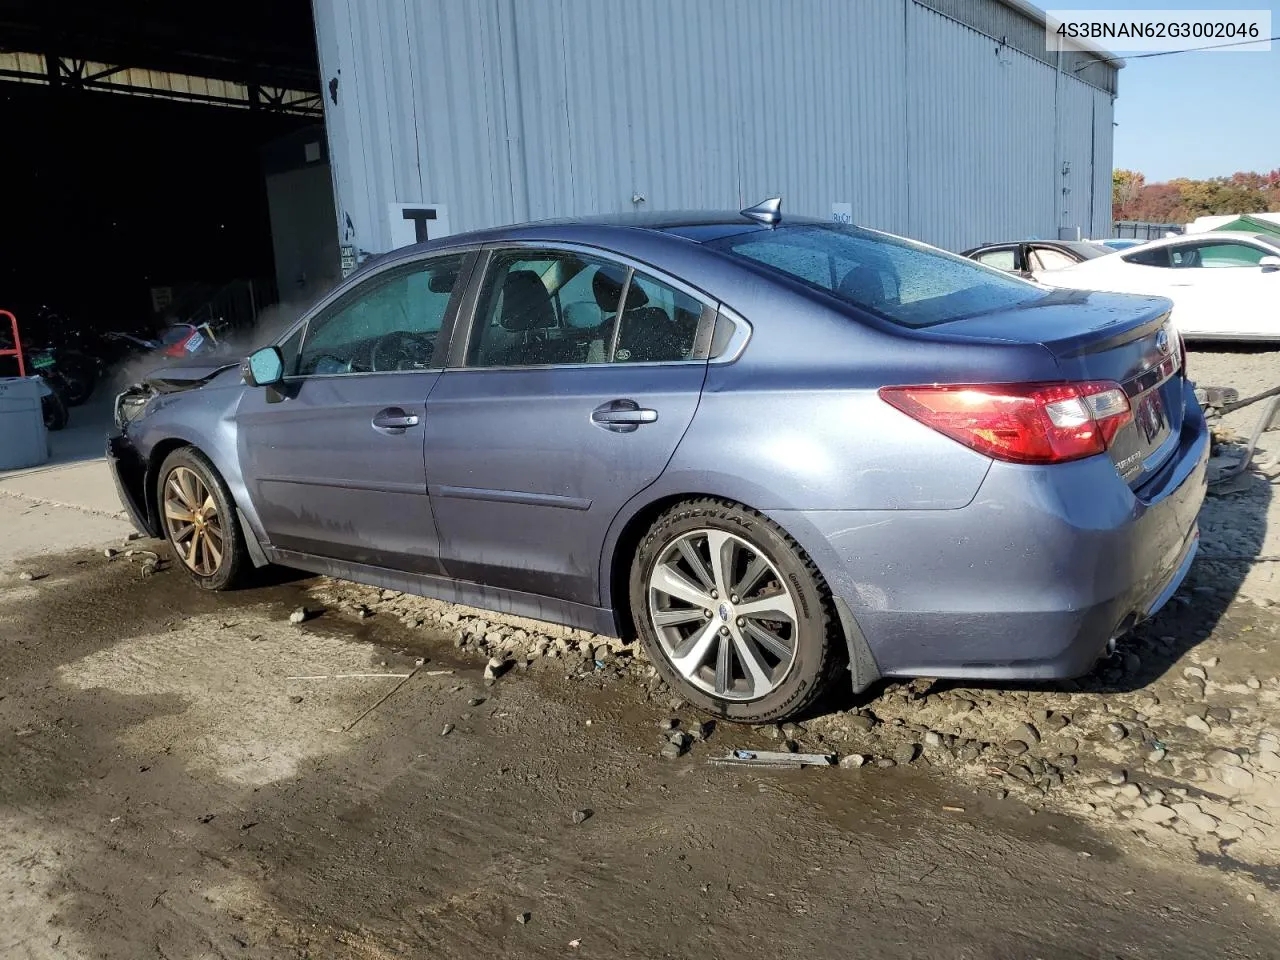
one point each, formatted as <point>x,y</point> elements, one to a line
<point>166,180</point>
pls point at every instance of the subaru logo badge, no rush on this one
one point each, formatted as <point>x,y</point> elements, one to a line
<point>1162,341</point>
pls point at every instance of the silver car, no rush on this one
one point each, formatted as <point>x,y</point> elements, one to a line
<point>779,450</point>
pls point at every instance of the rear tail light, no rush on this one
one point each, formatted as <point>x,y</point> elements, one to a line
<point>1020,423</point>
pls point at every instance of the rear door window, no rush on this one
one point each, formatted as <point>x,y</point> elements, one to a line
<point>1156,257</point>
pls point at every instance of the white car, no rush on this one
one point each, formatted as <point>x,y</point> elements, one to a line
<point>1224,286</point>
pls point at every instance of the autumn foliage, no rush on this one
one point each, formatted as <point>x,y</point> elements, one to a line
<point>1182,200</point>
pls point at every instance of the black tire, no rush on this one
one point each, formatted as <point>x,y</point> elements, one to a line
<point>54,409</point>
<point>234,563</point>
<point>814,637</point>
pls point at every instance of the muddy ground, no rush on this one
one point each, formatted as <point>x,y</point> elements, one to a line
<point>189,776</point>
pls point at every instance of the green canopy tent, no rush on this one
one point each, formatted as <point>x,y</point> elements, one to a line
<point>1248,224</point>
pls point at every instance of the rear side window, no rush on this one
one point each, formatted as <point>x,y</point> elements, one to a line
<point>1159,257</point>
<point>1000,259</point>
<point>908,283</point>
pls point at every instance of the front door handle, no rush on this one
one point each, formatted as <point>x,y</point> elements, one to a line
<point>394,420</point>
<point>622,416</point>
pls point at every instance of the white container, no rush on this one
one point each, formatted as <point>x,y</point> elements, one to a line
<point>24,442</point>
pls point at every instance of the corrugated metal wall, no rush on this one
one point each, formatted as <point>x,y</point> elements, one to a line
<point>505,110</point>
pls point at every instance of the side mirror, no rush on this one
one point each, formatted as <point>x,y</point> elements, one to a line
<point>1269,264</point>
<point>263,367</point>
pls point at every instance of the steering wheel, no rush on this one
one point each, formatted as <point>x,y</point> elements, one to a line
<point>400,350</point>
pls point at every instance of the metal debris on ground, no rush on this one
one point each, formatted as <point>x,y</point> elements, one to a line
<point>380,701</point>
<point>773,758</point>
<point>352,676</point>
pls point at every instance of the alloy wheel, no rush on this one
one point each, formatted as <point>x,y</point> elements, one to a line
<point>724,615</point>
<point>192,521</point>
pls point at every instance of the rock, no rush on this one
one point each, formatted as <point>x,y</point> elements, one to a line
<point>1116,777</point>
<point>1022,773</point>
<point>1228,831</point>
<point>860,722</point>
<point>885,763</point>
<point>363,612</point>
<point>1195,673</point>
<point>1195,723</point>
<point>1196,819</point>
<point>1223,758</point>
<point>110,552</point>
<point>1156,814</point>
<point>525,917</point>
<point>1132,663</point>
<point>962,706</point>
<point>773,732</point>
<point>1068,745</point>
<point>1115,732</point>
<point>792,731</point>
<point>1156,755</point>
<point>1066,762</point>
<point>1106,791</point>
<point>1210,663</point>
<point>1129,791</point>
<point>582,816</point>
<point>1055,722</point>
<point>1253,683</point>
<point>1027,734</point>
<point>933,740</point>
<point>295,699</point>
<point>1268,761</point>
<point>448,729</point>
<point>1220,714</point>
<point>906,753</point>
<point>27,576</point>
<point>298,616</point>
<point>701,731</point>
<point>493,669</point>
<point>852,761</point>
<point>680,739</point>
<point>1015,748</point>
<point>1268,743</point>
<point>671,752</point>
<point>1237,778</point>
<point>1154,796</point>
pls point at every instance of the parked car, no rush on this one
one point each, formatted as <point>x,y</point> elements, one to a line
<point>1030,258</point>
<point>1224,285</point>
<point>1120,243</point>
<point>777,449</point>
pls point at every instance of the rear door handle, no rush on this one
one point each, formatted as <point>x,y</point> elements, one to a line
<point>394,420</point>
<point>622,416</point>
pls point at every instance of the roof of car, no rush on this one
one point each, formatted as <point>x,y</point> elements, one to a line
<point>1224,235</point>
<point>698,225</point>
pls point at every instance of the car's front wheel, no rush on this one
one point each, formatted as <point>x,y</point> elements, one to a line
<point>732,612</point>
<point>200,521</point>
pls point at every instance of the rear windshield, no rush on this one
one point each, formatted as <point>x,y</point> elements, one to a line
<point>908,283</point>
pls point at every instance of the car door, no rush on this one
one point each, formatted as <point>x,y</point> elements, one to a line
<point>333,456</point>
<point>1224,291</point>
<point>1041,259</point>
<point>556,409</point>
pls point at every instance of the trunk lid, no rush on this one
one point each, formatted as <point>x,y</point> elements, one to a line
<point>1104,336</point>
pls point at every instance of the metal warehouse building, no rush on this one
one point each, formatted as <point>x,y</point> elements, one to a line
<point>945,120</point>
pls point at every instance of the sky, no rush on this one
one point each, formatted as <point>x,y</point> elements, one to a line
<point>1196,115</point>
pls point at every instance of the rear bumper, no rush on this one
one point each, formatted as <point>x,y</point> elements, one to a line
<point>130,475</point>
<point>1030,580</point>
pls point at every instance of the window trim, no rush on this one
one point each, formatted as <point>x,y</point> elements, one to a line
<point>345,293</point>
<point>465,321</point>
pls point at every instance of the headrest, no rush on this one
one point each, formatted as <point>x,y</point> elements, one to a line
<point>526,305</point>
<point>607,287</point>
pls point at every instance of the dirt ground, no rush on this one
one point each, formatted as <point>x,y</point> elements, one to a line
<point>190,776</point>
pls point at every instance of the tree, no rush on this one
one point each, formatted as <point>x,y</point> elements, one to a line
<point>1126,185</point>
<point>1183,199</point>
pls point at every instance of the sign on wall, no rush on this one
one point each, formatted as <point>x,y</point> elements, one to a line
<point>416,222</point>
<point>842,212</point>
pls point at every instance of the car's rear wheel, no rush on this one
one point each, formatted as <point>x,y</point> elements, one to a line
<point>200,521</point>
<point>732,612</point>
